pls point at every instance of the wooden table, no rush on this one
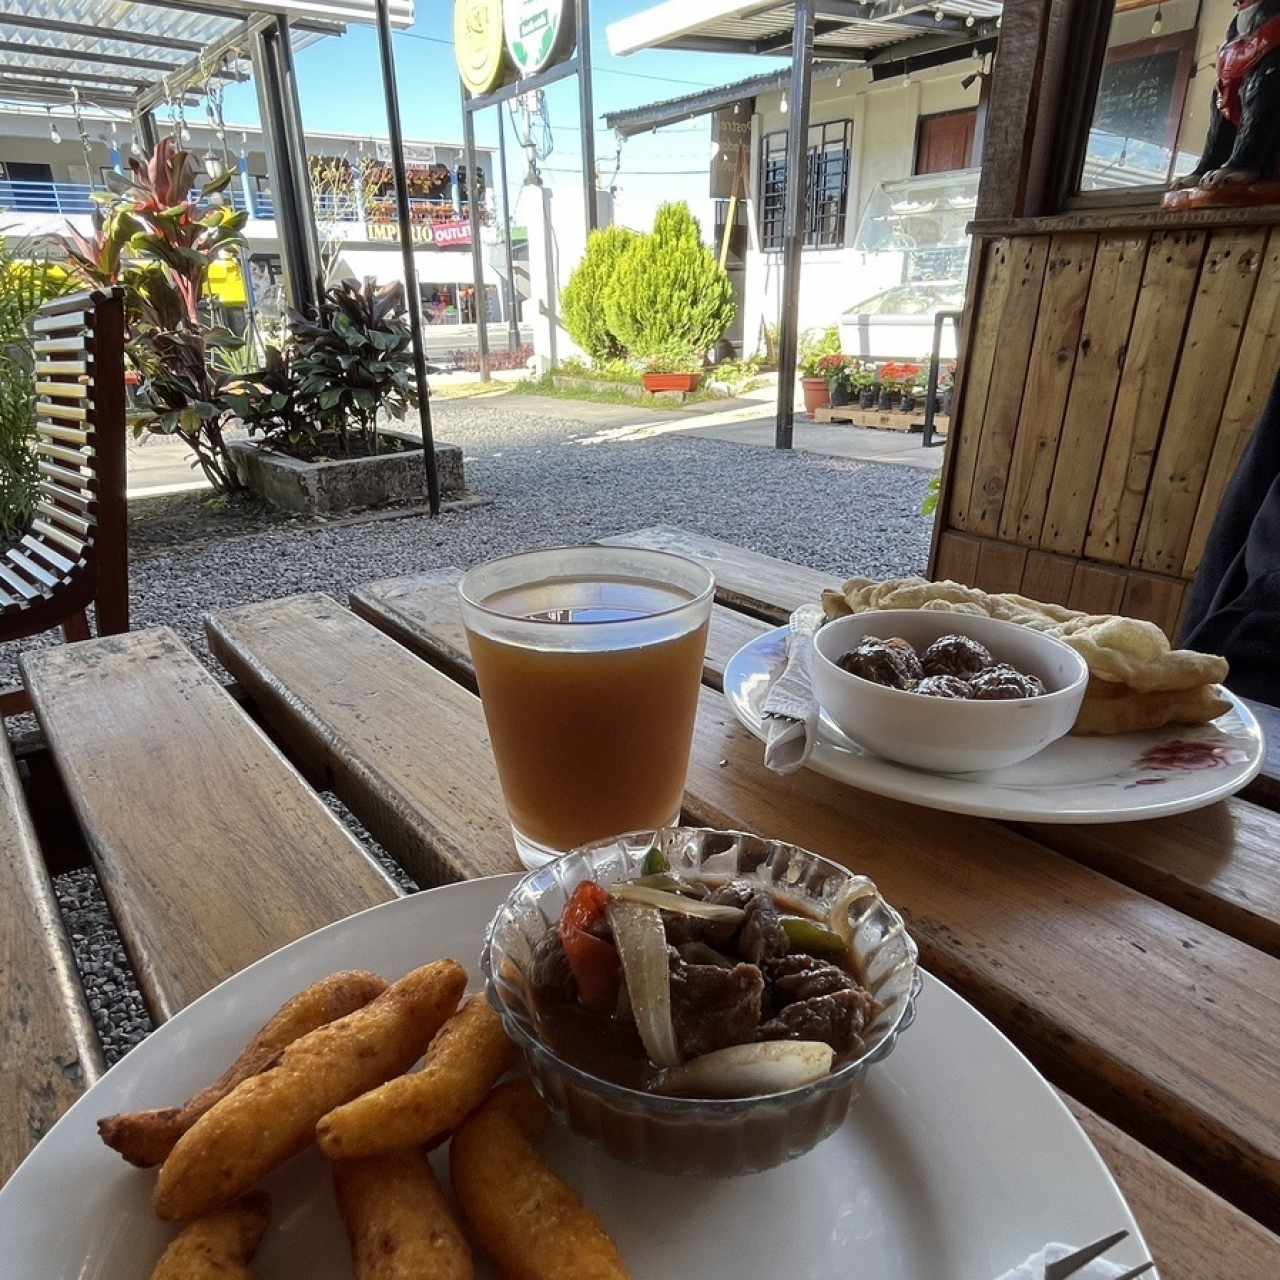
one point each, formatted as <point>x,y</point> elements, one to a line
<point>1138,966</point>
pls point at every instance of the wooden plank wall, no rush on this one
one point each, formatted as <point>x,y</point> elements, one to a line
<point>1111,381</point>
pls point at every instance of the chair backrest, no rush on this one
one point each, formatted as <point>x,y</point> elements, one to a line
<point>76,551</point>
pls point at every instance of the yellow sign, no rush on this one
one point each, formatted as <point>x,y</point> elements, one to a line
<point>479,44</point>
<point>226,283</point>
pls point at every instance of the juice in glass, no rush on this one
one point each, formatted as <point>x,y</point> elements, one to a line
<point>589,661</point>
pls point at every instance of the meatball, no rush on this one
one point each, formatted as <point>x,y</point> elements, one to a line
<point>955,656</point>
<point>1003,684</point>
<point>944,687</point>
<point>881,662</point>
<point>836,1019</point>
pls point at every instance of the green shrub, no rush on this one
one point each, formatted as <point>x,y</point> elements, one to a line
<point>582,299</point>
<point>668,291</point>
<point>24,285</point>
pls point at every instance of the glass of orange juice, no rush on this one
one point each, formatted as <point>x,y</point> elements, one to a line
<point>589,661</point>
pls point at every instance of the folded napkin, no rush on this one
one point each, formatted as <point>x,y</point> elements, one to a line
<point>790,709</point>
<point>1033,1268</point>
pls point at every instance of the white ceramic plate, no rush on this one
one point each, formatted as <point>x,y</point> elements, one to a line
<point>1074,780</point>
<point>956,1163</point>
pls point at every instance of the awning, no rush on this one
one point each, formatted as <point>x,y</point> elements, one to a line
<point>117,54</point>
<point>859,31</point>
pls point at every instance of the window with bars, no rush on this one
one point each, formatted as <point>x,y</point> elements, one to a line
<point>826,193</point>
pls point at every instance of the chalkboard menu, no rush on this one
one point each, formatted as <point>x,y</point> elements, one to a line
<point>1136,98</point>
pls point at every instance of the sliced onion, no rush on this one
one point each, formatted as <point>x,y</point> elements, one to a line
<point>838,917</point>
<point>748,1070</point>
<point>642,945</point>
<point>629,891</point>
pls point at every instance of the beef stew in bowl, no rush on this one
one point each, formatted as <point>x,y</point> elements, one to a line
<point>720,1034</point>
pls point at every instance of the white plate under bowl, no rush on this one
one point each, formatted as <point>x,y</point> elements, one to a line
<point>1123,778</point>
<point>956,1163</point>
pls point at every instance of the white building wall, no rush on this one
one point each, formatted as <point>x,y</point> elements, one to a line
<point>885,119</point>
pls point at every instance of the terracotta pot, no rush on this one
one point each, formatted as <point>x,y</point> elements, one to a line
<point>672,381</point>
<point>816,395</point>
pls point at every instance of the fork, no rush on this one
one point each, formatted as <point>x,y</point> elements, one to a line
<point>1076,1262</point>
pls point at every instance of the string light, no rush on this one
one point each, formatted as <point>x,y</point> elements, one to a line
<point>1157,23</point>
<point>54,136</point>
<point>782,106</point>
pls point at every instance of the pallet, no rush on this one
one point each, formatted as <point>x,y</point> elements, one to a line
<point>879,420</point>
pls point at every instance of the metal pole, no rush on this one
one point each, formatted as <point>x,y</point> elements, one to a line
<point>586,114</point>
<point>147,131</point>
<point>513,324</point>
<point>473,216</point>
<point>412,298</point>
<point>297,152</point>
<point>286,203</point>
<point>794,216</point>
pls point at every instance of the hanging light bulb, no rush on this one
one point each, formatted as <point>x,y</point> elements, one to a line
<point>737,106</point>
<point>782,106</point>
<point>54,136</point>
<point>978,56</point>
<point>906,77</point>
<point>1157,23</point>
<point>938,15</point>
<point>970,21</point>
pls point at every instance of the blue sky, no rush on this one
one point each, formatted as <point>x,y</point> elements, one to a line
<point>341,89</point>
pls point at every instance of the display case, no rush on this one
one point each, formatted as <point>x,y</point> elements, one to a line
<point>913,256</point>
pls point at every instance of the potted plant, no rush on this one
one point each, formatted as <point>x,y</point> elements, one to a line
<point>865,388</point>
<point>674,368</point>
<point>836,370</point>
<point>946,389</point>
<point>814,347</point>
<point>896,380</point>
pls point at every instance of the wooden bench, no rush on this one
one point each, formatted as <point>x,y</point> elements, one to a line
<point>210,847</point>
<point>76,553</point>
<point>48,1047</point>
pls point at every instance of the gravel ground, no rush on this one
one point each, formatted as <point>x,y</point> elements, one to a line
<point>553,481</point>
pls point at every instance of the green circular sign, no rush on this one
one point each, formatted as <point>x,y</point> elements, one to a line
<point>478,44</point>
<point>539,33</point>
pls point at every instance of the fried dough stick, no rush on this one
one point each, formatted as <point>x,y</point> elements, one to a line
<point>270,1117</point>
<point>145,1138</point>
<point>398,1220</point>
<point>528,1221</point>
<point>218,1246</point>
<point>464,1060</point>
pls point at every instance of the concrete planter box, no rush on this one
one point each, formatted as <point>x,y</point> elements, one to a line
<point>323,488</point>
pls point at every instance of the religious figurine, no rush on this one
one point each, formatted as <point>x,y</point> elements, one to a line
<point>1241,160</point>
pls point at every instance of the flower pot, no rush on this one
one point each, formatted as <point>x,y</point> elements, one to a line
<point>671,381</point>
<point>944,402</point>
<point>867,398</point>
<point>907,404</point>
<point>816,395</point>
<point>839,394</point>
<point>888,398</point>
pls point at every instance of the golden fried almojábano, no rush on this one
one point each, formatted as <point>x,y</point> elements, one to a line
<point>464,1060</point>
<point>145,1138</point>
<point>270,1117</point>
<point>398,1220</point>
<point>526,1218</point>
<point>220,1245</point>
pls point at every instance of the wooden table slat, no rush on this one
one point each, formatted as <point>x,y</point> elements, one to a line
<point>211,848</point>
<point>1111,991</point>
<point>761,585</point>
<point>401,743</point>
<point>49,1051</point>
<point>1192,1233</point>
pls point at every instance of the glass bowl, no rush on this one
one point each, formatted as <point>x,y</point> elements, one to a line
<point>692,1136</point>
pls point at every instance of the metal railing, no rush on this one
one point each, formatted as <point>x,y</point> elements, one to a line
<point>78,197</point>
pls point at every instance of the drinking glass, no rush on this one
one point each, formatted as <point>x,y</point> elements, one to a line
<point>589,661</point>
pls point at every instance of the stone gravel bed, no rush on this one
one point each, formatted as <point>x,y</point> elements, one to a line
<point>553,481</point>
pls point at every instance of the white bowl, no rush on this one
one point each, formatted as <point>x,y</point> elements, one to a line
<point>949,735</point>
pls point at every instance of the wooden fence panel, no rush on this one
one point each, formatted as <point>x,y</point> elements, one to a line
<point>1113,297</point>
<point>1168,286</point>
<point>1222,303</point>
<point>1044,400</point>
